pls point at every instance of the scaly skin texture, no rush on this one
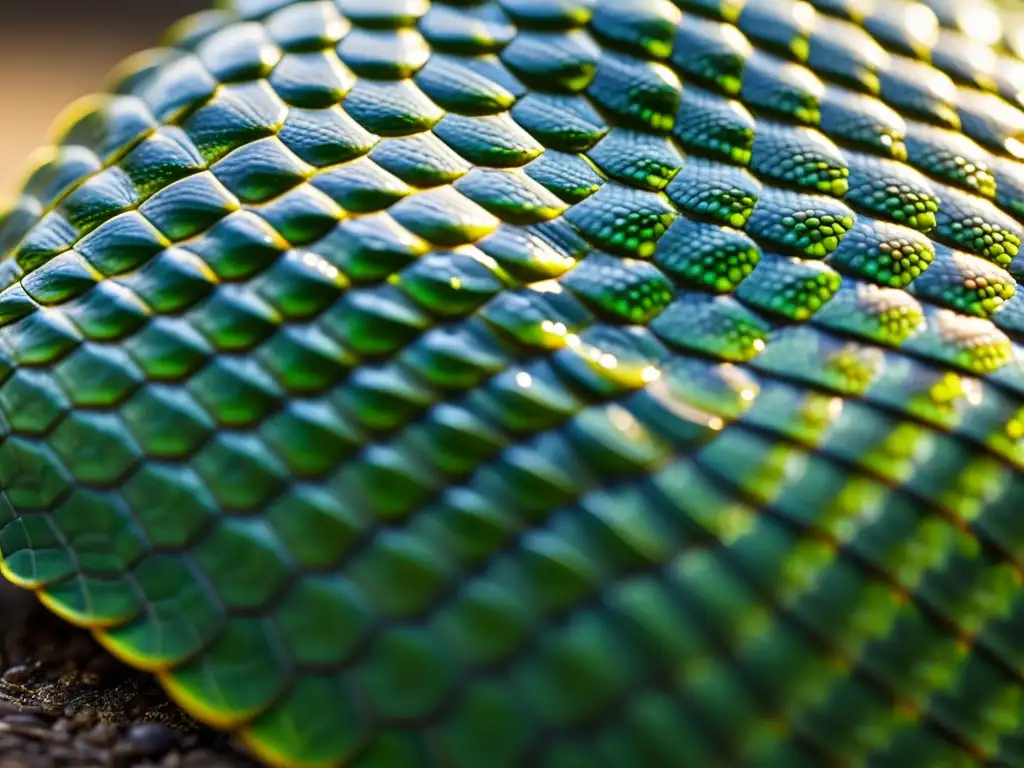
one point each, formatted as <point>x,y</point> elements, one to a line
<point>538,382</point>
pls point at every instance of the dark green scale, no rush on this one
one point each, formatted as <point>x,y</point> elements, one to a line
<point>528,383</point>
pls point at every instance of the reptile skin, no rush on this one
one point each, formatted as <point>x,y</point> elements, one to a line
<point>549,383</point>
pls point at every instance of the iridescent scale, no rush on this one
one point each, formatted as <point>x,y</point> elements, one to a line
<point>548,383</point>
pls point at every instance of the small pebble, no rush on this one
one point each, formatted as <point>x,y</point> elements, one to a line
<point>83,719</point>
<point>65,755</point>
<point>90,679</point>
<point>102,735</point>
<point>26,719</point>
<point>17,674</point>
<point>74,706</point>
<point>151,739</point>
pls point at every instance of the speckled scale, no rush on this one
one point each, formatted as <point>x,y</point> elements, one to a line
<point>880,314</point>
<point>706,189</point>
<point>627,290</point>
<point>949,156</point>
<point>649,372</point>
<point>623,219</point>
<point>639,92</point>
<point>569,176</point>
<point>713,125</point>
<point>713,257</point>
<point>511,195</point>
<point>976,225</point>
<point>636,158</point>
<point>798,157</point>
<point>719,326</point>
<point>971,344</point>
<point>813,225</point>
<point>789,286</point>
<point>888,189</point>
<point>884,253</point>
<point>851,368</point>
<point>965,283</point>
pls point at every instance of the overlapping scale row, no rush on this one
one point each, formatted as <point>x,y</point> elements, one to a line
<point>515,382</point>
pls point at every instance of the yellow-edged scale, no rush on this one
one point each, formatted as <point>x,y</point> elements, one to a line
<point>543,383</point>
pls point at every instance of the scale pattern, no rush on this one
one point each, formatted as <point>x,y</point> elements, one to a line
<point>538,382</point>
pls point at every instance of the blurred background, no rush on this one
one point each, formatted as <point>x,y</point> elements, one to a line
<point>53,51</point>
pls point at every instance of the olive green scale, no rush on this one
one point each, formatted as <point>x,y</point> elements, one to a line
<point>549,383</point>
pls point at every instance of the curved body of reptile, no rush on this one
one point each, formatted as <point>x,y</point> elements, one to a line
<point>538,382</point>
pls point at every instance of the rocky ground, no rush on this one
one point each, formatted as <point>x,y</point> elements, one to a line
<point>65,702</point>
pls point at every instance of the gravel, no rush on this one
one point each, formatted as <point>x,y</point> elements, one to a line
<point>65,702</point>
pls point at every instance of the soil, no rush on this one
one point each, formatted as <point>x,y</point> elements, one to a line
<point>65,702</point>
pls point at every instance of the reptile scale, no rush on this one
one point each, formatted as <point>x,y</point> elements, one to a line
<point>556,383</point>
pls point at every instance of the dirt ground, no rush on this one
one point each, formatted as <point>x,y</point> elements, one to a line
<point>65,702</point>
